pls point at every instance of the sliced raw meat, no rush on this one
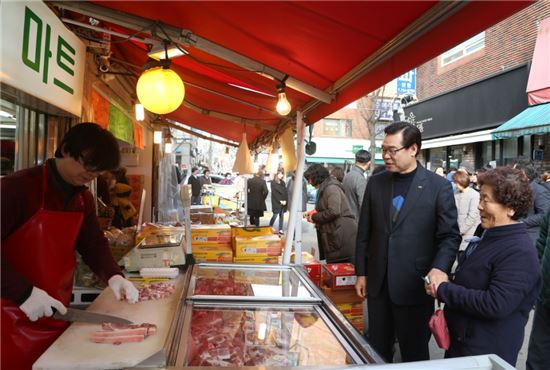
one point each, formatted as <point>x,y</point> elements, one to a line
<point>123,333</point>
<point>154,291</point>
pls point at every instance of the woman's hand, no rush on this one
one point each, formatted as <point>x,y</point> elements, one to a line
<point>435,279</point>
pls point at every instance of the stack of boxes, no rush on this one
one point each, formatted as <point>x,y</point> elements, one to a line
<point>255,245</point>
<point>211,243</point>
<point>312,266</point>
<point>338,284</point>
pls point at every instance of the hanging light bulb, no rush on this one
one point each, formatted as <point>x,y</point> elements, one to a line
<point>157,137</point>
<point>159,88</point>
<point>283,106</point>
<point>140,112</point>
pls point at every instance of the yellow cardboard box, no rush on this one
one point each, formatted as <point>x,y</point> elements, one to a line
<point>219,259</point>
<point>211,247</point>
<point>257,259</point>
<point>210,233</point>
<point>262,245</point>
<point>213,253</point>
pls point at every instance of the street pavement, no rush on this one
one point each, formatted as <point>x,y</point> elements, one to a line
<point>309,244</point>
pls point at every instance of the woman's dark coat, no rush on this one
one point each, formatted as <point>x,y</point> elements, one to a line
<point>257,192</point>
<point>278,193</point>
<point>487,304</point>
<point>336,226</point>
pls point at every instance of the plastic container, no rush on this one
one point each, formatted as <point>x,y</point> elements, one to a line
<point>159,272</point>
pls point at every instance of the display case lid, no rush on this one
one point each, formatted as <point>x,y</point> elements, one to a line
<point>249,283</point>
<point>263,336</point>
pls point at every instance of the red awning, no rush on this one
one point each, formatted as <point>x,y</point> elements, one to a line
<point>538,85</point>
<point>344,48</point>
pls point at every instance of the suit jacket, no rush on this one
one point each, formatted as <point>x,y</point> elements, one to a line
<point>541,204</point>
<point>257,192</point>
<point>424,235</point>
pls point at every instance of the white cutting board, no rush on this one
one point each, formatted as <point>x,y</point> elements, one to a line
<point>74,349</point>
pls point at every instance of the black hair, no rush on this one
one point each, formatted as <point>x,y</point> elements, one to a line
<point>97,147</point>
<point>316,173</point>
<point>362,156</point>
<point>528,168</point>
<point>205,171</point>
<point>411,133</point>
<point>194,169</point>
<point>338,173</point>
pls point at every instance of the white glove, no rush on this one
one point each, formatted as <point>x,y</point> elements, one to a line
<point>123,289</point>
<point>39,304</point>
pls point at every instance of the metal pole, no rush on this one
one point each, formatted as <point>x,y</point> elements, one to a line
<point>245,201</point>
<point>297,189</point>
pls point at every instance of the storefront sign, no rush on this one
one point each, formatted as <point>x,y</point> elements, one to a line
<point>120,125</point>
<point>406,84</point>
<point>40,56</point>
<point>481,105</point>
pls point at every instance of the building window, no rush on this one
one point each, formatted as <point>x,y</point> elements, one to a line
<point>467,47</point>
<point>337,127</point>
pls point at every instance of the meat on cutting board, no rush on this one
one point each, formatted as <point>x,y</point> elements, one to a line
<point>154,291</point>
<point>123,333</point>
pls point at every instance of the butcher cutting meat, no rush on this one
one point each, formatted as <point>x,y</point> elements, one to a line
<point>47,213</point>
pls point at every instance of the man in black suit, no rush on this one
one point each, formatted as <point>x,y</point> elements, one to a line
<point>407,229</point>
<point>195,186</point>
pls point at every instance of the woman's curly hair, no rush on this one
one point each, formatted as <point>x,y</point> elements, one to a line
<point>510,188</point>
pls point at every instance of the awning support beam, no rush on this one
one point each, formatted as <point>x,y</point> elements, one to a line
<point>187,37</point>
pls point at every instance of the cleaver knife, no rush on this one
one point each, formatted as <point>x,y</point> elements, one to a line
<point>74,314</point>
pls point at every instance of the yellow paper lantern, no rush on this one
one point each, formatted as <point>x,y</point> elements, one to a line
<point>160,90</point>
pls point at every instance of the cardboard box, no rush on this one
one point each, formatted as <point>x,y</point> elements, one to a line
<point>211,247</point>
<point>263,245</point>
<point>213,253</point>
<point>339,296</point>
<point>196,208</point>
<point>339,275</point>
<point>310,263</point>
<point>203,217</point>
<point>251,231</point>
<point>210,233</point>
<point>258,259</point>
<point>209,260</point>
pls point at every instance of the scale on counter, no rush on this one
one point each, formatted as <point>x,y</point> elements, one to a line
<point>165,248</point>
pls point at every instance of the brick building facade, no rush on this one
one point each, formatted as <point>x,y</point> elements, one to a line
<point>508,47</point>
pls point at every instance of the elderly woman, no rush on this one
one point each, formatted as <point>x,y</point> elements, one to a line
<point>498,278</point>
<point>466,201</point>
<point>336,226</point>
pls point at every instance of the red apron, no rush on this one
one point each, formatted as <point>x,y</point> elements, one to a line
<point>42,249</point>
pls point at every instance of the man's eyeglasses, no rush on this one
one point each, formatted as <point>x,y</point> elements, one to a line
<point>391,151</point>
<point>88,168</point>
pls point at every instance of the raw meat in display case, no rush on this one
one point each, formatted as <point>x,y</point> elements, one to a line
<point>262,337</point>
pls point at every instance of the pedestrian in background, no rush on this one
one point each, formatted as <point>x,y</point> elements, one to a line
<point>338,173</point>
<point>257,192</point>
<point>407,229</point>
<point>336,227</point>
<point>355,182</point>
<point>290,188</point>
<point>538,356</point>
<point>195,186</point>
<point>498,277</point>
<point>541,200</point>
<point>279,199</point>
<point>467,201</point>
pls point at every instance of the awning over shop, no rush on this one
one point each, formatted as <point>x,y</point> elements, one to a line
<point>534,120</point>
<point>330,53</point>
<point>538,87</point>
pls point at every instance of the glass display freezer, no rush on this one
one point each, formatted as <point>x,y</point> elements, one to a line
<point>250,283</point>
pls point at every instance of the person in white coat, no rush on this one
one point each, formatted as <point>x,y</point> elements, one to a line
<point>467,200</point>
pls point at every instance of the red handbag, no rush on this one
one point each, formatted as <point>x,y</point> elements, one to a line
<point>438,326</point>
